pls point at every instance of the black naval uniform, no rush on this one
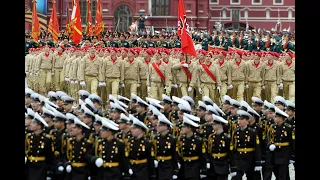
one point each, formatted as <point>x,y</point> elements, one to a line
<point>246,152</point>
<point>140,154</point>
<point>283,137</point>
<point>39,154</point>
<point>124,137</point>
<point>232,124</point>
<point>114,161</point>
<point>219,154</point>
<point>192,157</point>
<point>166,155</point>
<point>79,154</point>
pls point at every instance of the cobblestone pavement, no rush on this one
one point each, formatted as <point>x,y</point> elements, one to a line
<point>291,171</point>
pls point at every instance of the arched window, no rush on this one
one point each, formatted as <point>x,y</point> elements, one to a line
<point>224,13</point>
<point>290,14</point>
<point>268,13</point>
<point>246,12</point>
<point>160,7</point>
<point>83,10</point>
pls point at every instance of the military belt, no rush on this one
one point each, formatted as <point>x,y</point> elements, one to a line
<point>245,150</point>
<point>163,158</point>
<point>78,164</point>
<point>218,155</point>
<point>36,159</point>
<point>138,161</point>
<point>282,144</point>
<point>193,158</point>
<point>110,164</point>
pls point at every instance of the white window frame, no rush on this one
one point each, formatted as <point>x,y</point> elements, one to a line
<point>289,13</point>
<point>232,3</point>
<point>254,3</point>
<point>274,2</point>
<point>268,13</point>
<point>214,2</point>
<point>224,13</point>
<point>246,13</point>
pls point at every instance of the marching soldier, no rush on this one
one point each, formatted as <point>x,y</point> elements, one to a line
<point>88,119</point>
<point>271,77</point>
<point>79,152</point>
<point>287,77</point>
<point>233,118</point>
<point>124,127</point>
<point>73,74</point>
<point>245,145</point>
<point>256,72</point>
<point>58,60</point>
<point>140,152</point>
<point>281,143</point>
<point>191,151</point>
<point>206,128</point>
<point>280,102</point>
<point>112,73</point>
<point>48,116</point>
<point>165,151</point>
<point>97,102</point>
<point>141,108</point>
<point>110,154</point>
<point>89,71</point>
<point>166,59</point>
<point>167,110</point>
<point>218,149</point>
<point>131,73</point>
<point>67,104</point>
<point>201,112</point>
<point>144,68</point>
<point>28,120</point>
<point>226,105</point>
<point>38,150</point>
<point>239,76</point>
<point>27,98</point>
<point>290,110</point>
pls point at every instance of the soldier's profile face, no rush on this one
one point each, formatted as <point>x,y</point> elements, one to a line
<point>135,131</point>
<point>242,122</point>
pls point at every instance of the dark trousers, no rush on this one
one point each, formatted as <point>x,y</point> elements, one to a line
<point>280,171</point>
<point>267,173</point>
<point>218,177</point>
<point>257,175</point>
<point>249,174</point>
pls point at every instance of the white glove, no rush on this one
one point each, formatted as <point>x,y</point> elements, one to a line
<point>82,83</point>
<point>48,178</point>
<point>174,86</point>
<point>208,165</point>
<point>99,162</point>
<point>155,163</point>
<point>246,86</point>
<point>174,177</point>
<point>218,88</point>
<point>149,89</point>
<point>233,174</point>
<point>203,176</point>
<point>68,168</point>
<point>31,74</point>
<point>272,147</point>
<point>25,160</point>
<point>258,168</point>
<point>130,171</point>
<point>292,161</point>
<point>104,84</point>
<point>122,85</point>
<point>179,165</point>
<point>185,65</point>
<point>60,168</point>
<point>230,86</point>
<point>138,85</point>
<point>67,79</point>
<point>89,178</point>
<point>76,82</point>
<point>27,73</point>
<point>100,84</point>
<point>52,73</point>
<point>72,82</point>
<point>189,89</point>
<point>280,86</point>
<point>200,90</point>
<point>263,87</point>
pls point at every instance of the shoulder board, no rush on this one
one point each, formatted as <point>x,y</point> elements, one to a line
<point>88,141</point>
<point>252,129</point>
<point>47,136</point>
<point>197,137</point>
<point>226,135</point>
<point>288,125</point>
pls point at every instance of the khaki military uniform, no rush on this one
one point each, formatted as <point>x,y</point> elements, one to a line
<point>255,79</point>
<point>194,78</point>
<point>287,77</point>
<point>44,66</point>
<point>238,79</point>
<point>58,70</point>
<point>131,76</point>
<point>182,77</point>
<point>225,77</point>
<point>89,71</point>
<point>144,72</point>
<point>112,73</point>
<point>155,82</point>
<point>169,76</point>
<point>205,82</point>
<point>28,68</point>
<point>271,80</point>
<point>65,72</point>
<point>73,75</point>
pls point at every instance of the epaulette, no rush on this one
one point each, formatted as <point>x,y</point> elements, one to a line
<point>288,125</point>
<point>197,137</point>
<point>48,136</point>
<point>251,129</point>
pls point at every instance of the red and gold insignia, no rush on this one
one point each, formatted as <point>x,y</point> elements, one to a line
<point>84,150</point>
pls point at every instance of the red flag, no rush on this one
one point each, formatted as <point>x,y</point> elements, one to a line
<point>53,24</point>
<point>89,19</point>
<point>187,45</point>
<point>76,23</point>
<point>35,22</point>
<point>99,26</point>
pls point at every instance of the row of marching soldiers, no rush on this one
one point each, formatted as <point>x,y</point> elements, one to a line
<point>161,139</point>
<point>154,71</point>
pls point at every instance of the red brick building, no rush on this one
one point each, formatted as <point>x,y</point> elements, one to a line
<point>201,14</point>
